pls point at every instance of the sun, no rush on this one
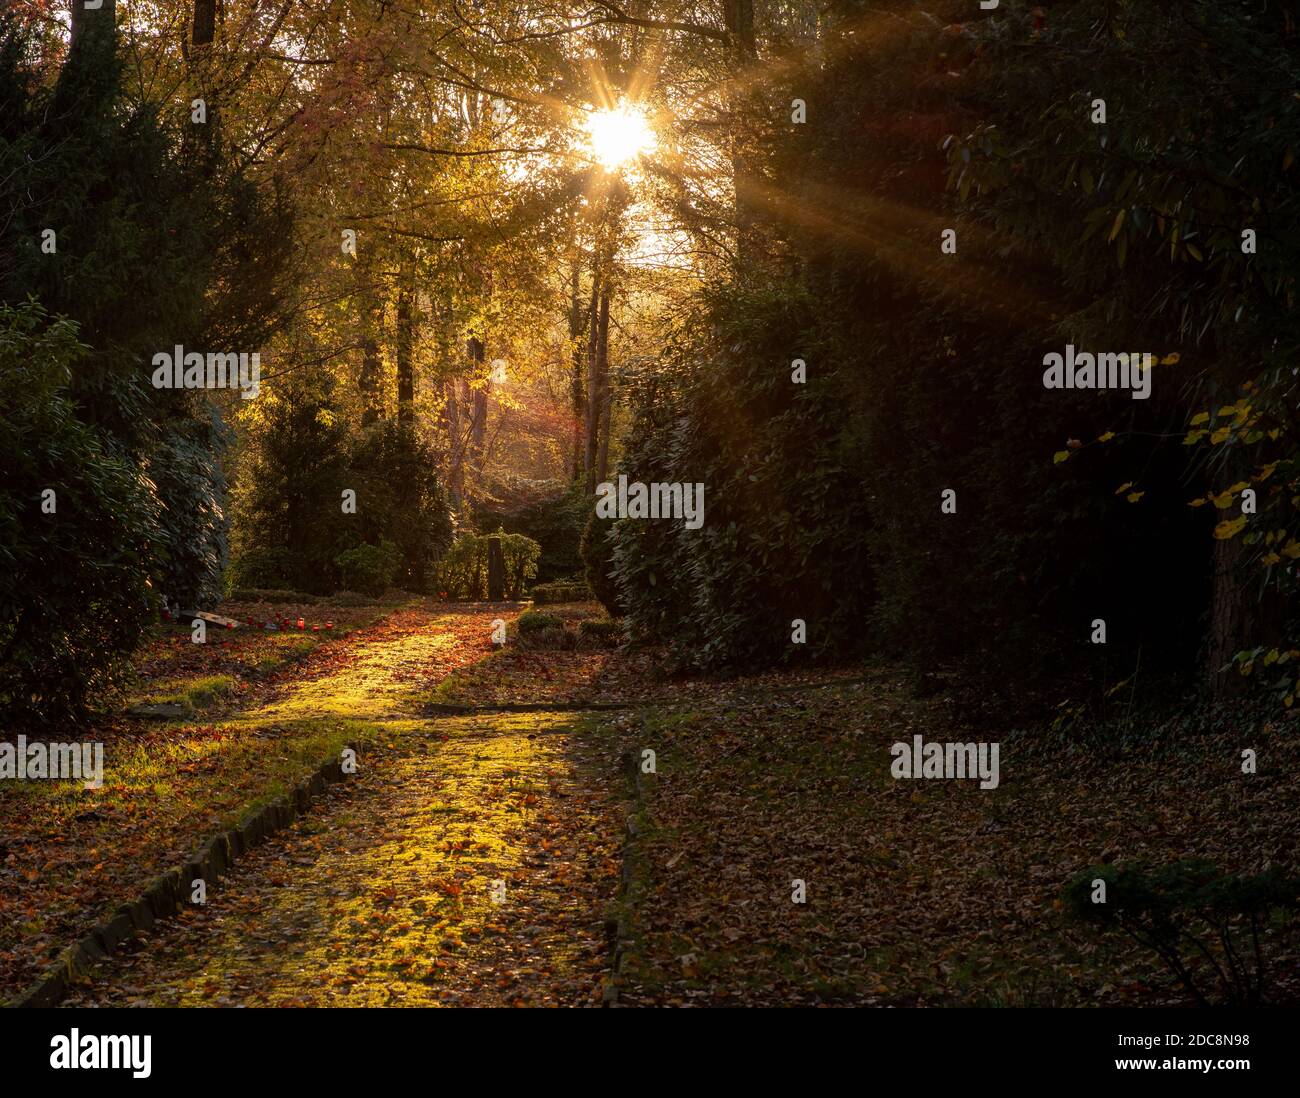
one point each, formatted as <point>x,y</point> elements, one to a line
<point>618,135</point>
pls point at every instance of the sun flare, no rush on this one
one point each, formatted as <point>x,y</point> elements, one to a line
<point>618,135</point>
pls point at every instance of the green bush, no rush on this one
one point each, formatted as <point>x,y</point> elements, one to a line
<point>156,246</point>
<point>786,515</point>
<point>532,621</point>
<point>289,524</point>
<point>560,591</point>
<point>262,568</point>
<point>598,554</point>
<point>74,590</point>
<point>1209,928</point>
<point>555,521</point>
<point>262,594</point>
<point>400,499</point>
<point>463,572</point>
<point>352,599</point>
<point>553,637</point>
<point>603,630</point>
<point>369,568</point>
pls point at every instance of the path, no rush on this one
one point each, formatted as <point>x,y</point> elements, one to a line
<point>384,893</point>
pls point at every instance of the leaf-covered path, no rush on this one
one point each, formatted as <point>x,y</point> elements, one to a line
<point>469,861</point>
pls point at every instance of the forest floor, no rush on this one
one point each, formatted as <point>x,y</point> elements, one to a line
<point>483,856</point>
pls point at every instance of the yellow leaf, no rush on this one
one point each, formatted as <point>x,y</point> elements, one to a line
<point>1171,360</point>
<point>1060,456</point>
<point>1124,487</point>
<point>1291,549</point>
<point>1272,559</point>
<point>1229,529</point>
<point>1221,435</point>
<point>1119,224</point>
<point>1197,502</point>
<point>1106,437</point>
<point>1133,497</point>
<point>1200,417</point>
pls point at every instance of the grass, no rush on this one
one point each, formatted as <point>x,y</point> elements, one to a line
<point>190,694</point>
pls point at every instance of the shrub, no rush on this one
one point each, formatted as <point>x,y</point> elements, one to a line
<point>603,630</point>
<point>369,568</point>
<point>598,554</point>
<point>555,521</point>
<point>561,591</point>
<point>291,473</point>
<point>352,599</point>
<point>1188,912</point>
<point>463,572</point>
<point>74,592</point>
<point>264,568</point>
<point>394,473</point>
<point>554,637</point>
<point>533,621</point>
<point>156,247</point>
<point>262,594</point>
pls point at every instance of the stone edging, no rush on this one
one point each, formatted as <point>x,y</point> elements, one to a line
<point>620,928</point>
<point>165,895</point>
<point>441,709</point>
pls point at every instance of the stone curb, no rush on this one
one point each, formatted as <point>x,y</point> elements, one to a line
<point>440,709</point>
<point>620,929</point>
<point>165,894</point>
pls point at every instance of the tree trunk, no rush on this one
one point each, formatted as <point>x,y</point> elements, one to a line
<point>371,364</point>
<point>205,22</point>
<point>455,461</point>
<point>1228,621</point>
<point>743,105</point>
<point>496,571</point>
<point>578,318</point>
<point>85,19</point>
<point>595,361</point>
<point>602,355</point>
<point>479,405</point>
<point>404,351</point>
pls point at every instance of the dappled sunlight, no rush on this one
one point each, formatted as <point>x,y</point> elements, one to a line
<point>371,687</point>
<point>167,785</point>
<point>385,897</point>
